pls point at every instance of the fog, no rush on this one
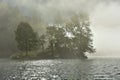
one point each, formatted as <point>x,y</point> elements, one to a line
<point>106,27</point>
<point>104,17</point>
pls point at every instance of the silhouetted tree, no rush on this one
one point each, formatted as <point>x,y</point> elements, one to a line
<point>78,28</point>
<point>26,38</point>
<point>72,39</point>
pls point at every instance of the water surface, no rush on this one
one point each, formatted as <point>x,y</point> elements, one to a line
<point>61,69</point>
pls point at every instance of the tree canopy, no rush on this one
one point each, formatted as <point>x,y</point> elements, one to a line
<point>72,39</point>
<point>26,38</point>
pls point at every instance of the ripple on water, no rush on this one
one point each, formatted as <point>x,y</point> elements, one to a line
<point>58,69</point>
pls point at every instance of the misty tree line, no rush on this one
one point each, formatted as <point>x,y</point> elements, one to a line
<point>71,39</point>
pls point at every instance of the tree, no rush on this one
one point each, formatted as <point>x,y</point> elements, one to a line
<point>70,40</point>
<point>78,28</point>
<point>51,37</point>
<point>26,38</point>
<point>42,42</point>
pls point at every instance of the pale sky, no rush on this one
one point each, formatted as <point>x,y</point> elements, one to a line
<point>105,21</point>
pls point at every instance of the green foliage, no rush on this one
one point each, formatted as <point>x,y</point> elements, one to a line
<point>81,42</point>
<point>26,38</point>
<point>69,40</point>
<point>74,37</point>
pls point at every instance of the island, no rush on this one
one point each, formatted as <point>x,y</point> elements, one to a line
<point>69,40</point>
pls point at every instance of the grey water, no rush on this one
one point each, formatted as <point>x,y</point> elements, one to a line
<point>59,69</point>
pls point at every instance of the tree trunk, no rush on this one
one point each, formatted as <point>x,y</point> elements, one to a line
<point>52,47</point>
<point>26,48</point>
<point>42,48</point>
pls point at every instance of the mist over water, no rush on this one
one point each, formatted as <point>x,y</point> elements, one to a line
<point>104,17</point>
<point>106,28</point>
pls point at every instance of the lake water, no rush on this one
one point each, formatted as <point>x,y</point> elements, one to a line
<point>61,69</point>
